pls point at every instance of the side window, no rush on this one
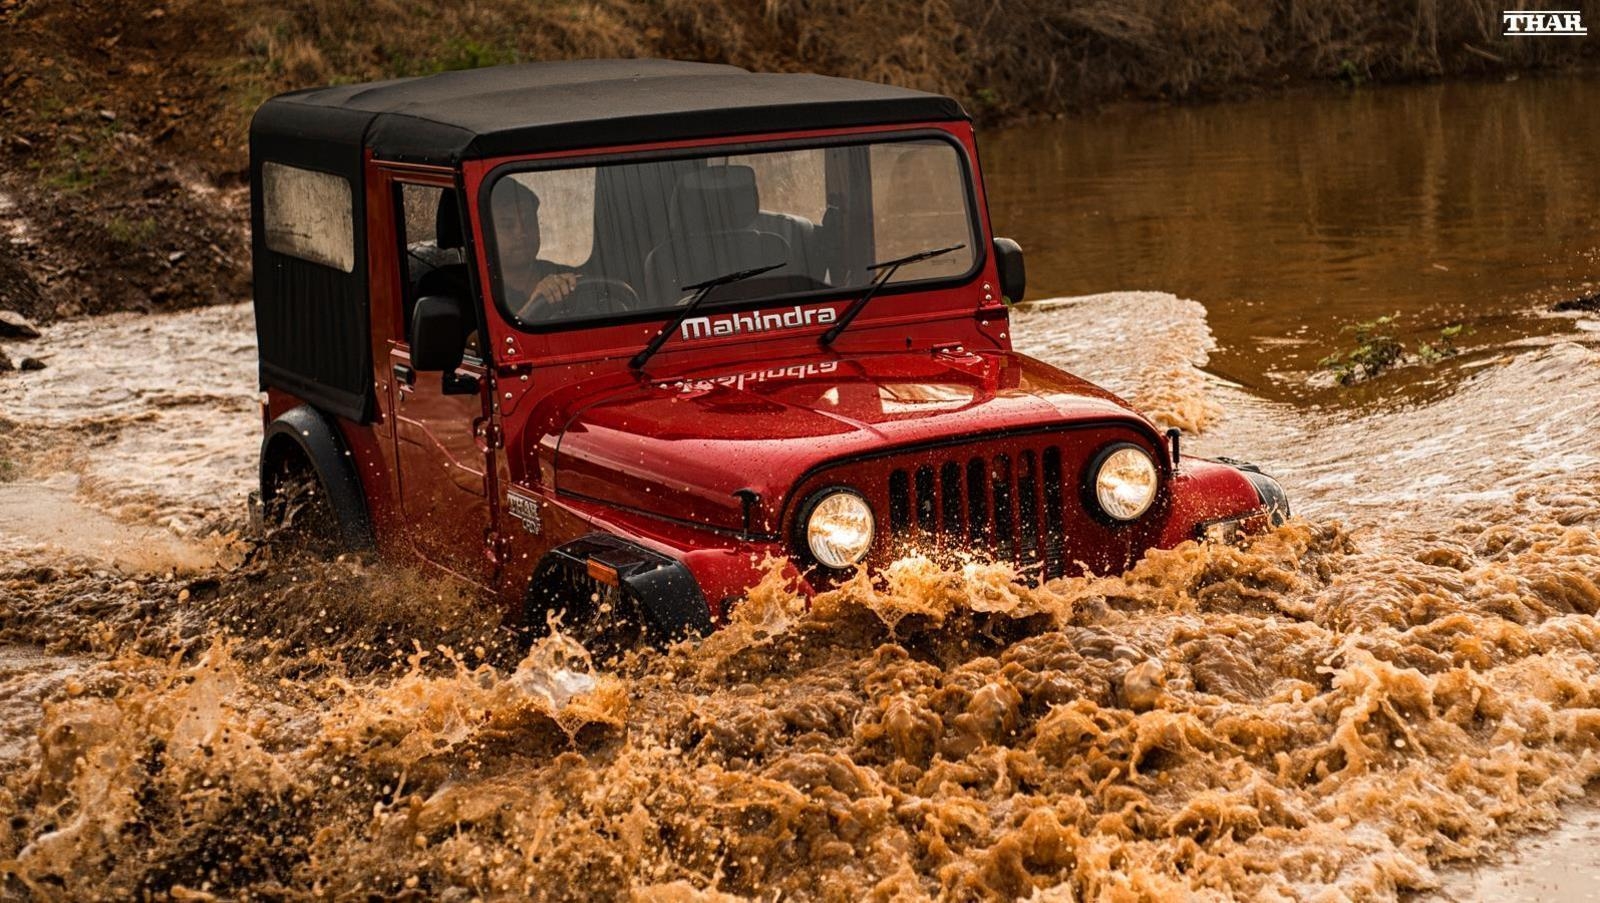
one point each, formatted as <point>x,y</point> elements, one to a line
<point>433,257</point>
<point>309,215</point>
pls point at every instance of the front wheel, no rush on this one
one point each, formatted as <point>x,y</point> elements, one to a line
<point>613,595</point>
<point>606,620</point>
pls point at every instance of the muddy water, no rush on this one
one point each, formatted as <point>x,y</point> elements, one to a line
<point>1381,698</point>
<point>1291,218</point>
<point>1346,707</point>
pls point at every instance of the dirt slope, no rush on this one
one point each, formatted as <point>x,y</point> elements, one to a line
<point>122,125</point>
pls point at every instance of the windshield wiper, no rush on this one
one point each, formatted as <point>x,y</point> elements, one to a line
<point>889,267</point>
<point>701,290</point>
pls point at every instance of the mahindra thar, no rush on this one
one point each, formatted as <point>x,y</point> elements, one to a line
<point>601,338</point>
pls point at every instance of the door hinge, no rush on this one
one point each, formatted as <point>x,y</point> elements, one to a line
<point>488,433</point>
<point>497,547</point>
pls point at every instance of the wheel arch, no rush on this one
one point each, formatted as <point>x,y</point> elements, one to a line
<point>664,587</point>
<point>307,434</point>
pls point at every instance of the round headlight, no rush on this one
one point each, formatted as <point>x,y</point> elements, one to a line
<point>1125,483</point>
<point>839,528</point>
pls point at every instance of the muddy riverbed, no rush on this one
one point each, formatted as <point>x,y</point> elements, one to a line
<point>1403,680</point>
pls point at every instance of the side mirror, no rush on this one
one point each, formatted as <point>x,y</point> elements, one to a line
<point>438,335</point>
<point>1013,275</point>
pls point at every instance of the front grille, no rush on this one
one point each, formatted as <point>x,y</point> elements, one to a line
<point>1012,506</point>
<point>1014,497</point>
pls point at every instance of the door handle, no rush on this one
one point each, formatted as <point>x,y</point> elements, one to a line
<point>404,375</point>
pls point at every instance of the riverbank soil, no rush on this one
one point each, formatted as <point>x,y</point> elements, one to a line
<point>123,125</point>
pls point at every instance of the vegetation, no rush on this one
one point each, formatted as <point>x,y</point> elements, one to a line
<point>112,104</point>
<point>132,233</point>
<point>1378,348</point>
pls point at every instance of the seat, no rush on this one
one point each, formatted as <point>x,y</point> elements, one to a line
<point>713,231</point>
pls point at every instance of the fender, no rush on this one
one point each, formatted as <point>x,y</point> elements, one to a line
<point>1219,500</point>
<point>663,587</point>
<point>306,429</point>
<point>723,566</point>
<point>1271,494</point>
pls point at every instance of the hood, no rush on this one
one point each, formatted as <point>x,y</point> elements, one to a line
<point>688,448</point>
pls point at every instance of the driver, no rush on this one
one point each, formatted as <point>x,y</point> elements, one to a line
<point>535,288</point>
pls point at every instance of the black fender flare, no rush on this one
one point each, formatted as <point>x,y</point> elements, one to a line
<point>1268,490</point>
<point>1272,496</point>
<point>306,429</point>
<point>666,591</point>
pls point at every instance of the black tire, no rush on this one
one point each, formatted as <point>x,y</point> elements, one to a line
<point>645,598</point>
<point>297,512</point>
<point>310,495</point>
<point>606,620</point>
<point>613,626</point>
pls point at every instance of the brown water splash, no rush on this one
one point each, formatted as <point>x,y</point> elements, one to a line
<point>1325,713</point>
<point>1302,716</point>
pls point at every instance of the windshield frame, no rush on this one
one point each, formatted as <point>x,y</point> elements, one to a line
<point>739,146</point>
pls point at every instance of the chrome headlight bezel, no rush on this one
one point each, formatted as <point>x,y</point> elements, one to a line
<point>1095,490</point>
<point>808,512</point>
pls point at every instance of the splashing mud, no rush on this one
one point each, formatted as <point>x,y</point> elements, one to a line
<point>1335,710</point>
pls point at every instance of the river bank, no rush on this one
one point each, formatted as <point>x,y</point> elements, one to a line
<point>123,139</point>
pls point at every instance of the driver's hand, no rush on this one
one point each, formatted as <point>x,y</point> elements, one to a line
<point>553,289</point>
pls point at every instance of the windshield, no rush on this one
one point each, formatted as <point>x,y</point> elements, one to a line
<point>595,243</point>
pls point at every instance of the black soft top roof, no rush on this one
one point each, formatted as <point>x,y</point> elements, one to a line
<point>571,105</point>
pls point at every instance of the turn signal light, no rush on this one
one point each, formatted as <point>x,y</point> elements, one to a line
<point>604,573</point>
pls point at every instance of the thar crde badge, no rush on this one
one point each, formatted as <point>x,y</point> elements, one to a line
<point>1530,22</point>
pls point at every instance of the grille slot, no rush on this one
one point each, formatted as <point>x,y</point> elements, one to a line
<point>899,504</point>
<point>950,500</point>
<point>1055,527</point>
<point>1027,508</point>
<point>1001,487</point>
<point>927,504</point>
<point>1011,506</point>
<point>978,502</point>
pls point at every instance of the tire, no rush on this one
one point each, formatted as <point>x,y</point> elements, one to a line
<point>297,511</point>
<point>606,620</point>
<point>310,496</point>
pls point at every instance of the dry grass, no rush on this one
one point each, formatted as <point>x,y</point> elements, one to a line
<point>1000,57</point>
<point>105,105</point>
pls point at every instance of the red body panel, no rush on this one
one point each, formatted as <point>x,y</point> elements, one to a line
<point>565,436</point>
<point>684,446</point>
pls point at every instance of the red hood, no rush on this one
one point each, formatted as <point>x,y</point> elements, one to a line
<point>683,448</point>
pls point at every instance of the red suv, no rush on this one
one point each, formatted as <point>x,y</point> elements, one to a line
<point>601,337</point>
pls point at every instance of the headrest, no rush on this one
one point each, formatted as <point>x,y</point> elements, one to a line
<point>447,223</point>
<point>716,199</point>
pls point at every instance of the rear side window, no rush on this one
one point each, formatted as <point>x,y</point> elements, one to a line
<point>308,214</point>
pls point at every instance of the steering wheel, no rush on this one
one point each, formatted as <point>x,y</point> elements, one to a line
<point>591,295</point>
<point>603,294</point>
